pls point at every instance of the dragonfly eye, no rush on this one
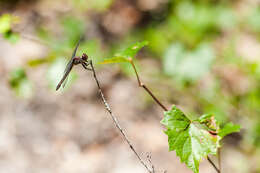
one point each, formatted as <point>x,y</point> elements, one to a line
<point>84,57</point>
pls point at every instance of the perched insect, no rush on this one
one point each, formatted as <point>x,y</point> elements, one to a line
<point>75,60</point>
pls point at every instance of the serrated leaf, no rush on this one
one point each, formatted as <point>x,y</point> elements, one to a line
<point>175,120</point>
<point>228,129</point>
<point>190,141</point>
<point>114,60</point>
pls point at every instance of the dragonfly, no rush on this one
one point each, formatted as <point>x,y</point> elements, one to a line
<point>74,60</point>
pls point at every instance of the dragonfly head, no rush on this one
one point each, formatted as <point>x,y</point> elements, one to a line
<point>84,57</point>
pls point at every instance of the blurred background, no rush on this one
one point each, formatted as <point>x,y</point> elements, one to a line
<point>203,56</point>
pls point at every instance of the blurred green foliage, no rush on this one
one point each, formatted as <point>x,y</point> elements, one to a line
<point>98,5</point>
<point>20,83</point>
<point>185,65</point>
<point>6,21</point>
<point>254,19</point>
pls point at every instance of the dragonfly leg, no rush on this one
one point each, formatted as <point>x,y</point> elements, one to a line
<point>85,65</point>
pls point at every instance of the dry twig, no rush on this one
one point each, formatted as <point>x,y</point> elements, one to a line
<point>116,121</point>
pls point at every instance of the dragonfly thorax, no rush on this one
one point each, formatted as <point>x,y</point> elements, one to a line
<point>76,60</point>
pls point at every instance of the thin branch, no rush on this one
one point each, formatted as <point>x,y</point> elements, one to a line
<point>116,121</point>
<point>149,158</point>
<point>34,39</point>
<point>146,89</point>
<point>160,103</point>
<point>213,164</point>
<point>219,160</point>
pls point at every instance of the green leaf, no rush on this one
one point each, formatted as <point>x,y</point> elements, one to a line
<point>114,60</point>
<point>126,54</point>
<point>228,129</point>
<point>175,120</point>
<point>132,50</point>
<point>190,141</point>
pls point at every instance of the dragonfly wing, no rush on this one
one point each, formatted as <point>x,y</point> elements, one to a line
<point>65,81</point>
<point>76,48</point>
<point>71,62</point>
<point>66,74</point>
<point>69,66</point>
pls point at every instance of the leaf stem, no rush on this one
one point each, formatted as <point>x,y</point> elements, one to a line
<point>116,121</point>
<point>146,89</point>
